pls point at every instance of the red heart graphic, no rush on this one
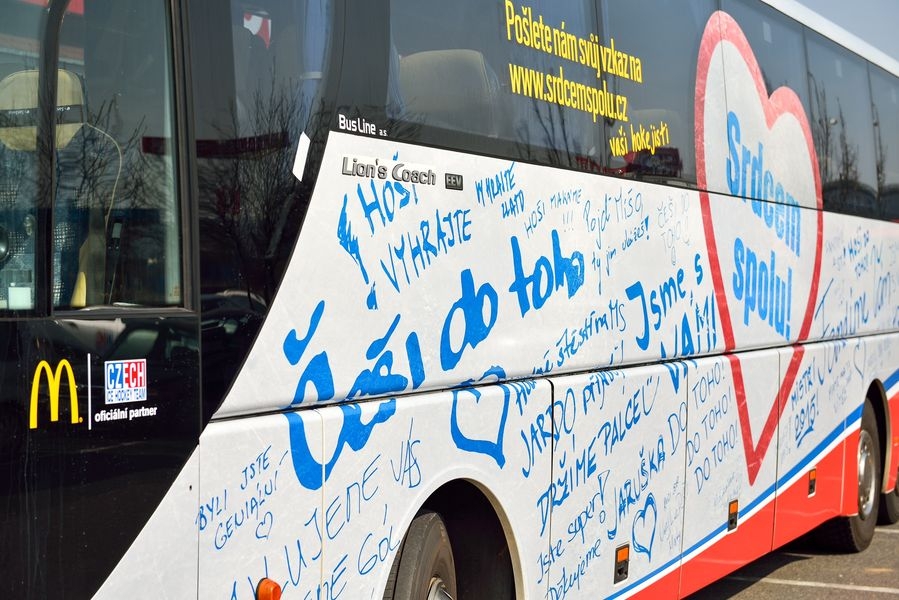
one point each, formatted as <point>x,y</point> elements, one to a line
<point>720,29</point>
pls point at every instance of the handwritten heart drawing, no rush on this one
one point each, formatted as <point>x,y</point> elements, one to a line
<point>264,528</point>
<point>643,533</point>
<point>478,426</point>
<point>760,148</point>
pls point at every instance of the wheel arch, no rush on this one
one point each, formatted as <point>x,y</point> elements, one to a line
<point>877,396</point>
<point>479,533</point>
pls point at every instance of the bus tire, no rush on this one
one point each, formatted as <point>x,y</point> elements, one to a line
<point>423,568</point>
<point>889,506</point>
<point>854,534</point>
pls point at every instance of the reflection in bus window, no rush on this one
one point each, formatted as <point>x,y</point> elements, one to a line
<point>457,67</point>
<point>841,120</point>
<point>611,95</point>
<point>19,51</point>
<point>885,96</point>
<point>256,80</point>
<point>777,43</point>
<point>116,217</point>
<point>116,223</point>
<point>258,69</point>
<point>665,36</point>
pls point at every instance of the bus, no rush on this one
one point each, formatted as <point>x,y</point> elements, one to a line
<point>398,299</point>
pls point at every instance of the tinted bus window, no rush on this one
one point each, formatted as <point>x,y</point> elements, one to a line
<point>665,36</point>
<point>20,39</point>
<point>116,219</point>
<point>258,69</point>
<point>521,72</point>
<point>841,121</point>
<point>885,94</point>
<point>777,44</point>
<point>556,82</point>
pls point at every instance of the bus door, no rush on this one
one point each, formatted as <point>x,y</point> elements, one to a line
<point>99,383</point>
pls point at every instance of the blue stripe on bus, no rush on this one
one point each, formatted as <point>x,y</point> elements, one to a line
<point>831,437</point>
<point>855,415</point>
<point>891,380</point>
<point>624,590</point>
<point>811,457</point>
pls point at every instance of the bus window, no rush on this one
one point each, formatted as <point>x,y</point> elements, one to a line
<point>664,36</point>
<point>115,216</point>
<point>258,69</point>
<point>885,94</point>
<point>779,50</point>
<point>777,44</point>
<point>841,121</point>
<point>455,66</point>
<point>19,54</point>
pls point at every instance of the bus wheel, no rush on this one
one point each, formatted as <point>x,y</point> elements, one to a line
<point>423,568</point>
<point>889,506</point>
<point>854,534</point>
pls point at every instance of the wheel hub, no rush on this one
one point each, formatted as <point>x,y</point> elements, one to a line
<point>437,590</point>
<point>867,484</point>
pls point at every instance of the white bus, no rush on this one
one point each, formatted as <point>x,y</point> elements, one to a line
<point>334,300</point>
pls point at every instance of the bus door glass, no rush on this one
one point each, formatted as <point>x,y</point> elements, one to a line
<point>116,220</point>
<point>20,40</point>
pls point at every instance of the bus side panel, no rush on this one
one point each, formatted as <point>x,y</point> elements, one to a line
<point>884,365</point>
<point>389,457</point>
<point>164,555</point>
<point>871,359</point>
<point>513,265</point>
<point>255,519</point>
<point>798,509</point>
<point>751,540</point>
<point>731,457</point>
<point>618,479</point>
<point>98,418</point>
<point>857,293</point>
<point>665,587</point>
<point>811,437</point>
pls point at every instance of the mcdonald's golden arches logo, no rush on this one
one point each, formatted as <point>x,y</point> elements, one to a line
<point>54,379</point>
